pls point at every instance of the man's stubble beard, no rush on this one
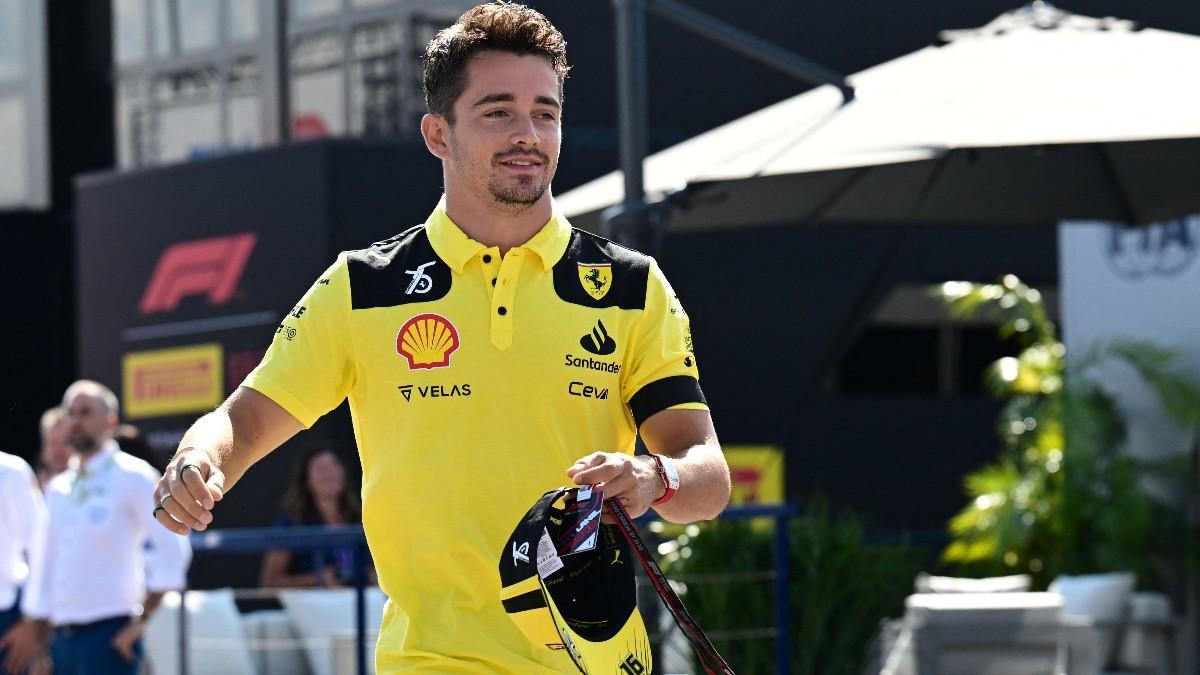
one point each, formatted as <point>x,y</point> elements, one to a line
<point>520,197</point>
<point>84,445</point>
<point>510,199</point>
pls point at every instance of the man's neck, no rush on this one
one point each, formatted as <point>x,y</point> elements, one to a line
<point>493,224</point>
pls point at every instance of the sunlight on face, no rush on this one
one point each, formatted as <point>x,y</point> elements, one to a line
<point>506,138</point>
<point>88,423</point>
<point>56,450</point>
<point>326,475</point>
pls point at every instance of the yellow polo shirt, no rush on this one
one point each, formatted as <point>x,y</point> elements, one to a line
<point>474,382</point>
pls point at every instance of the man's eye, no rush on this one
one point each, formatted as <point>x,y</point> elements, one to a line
<point>495,113</point>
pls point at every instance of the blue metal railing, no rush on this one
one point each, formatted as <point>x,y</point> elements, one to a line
<point>320,537</point>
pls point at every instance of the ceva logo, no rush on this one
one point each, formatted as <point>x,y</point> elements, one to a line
<point>211,267</point>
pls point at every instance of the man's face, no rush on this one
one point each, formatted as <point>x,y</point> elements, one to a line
<point>56,452</point>
<point>507,132</point>
<point>88,423</point>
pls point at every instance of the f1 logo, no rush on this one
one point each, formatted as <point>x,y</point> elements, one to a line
<point>209,267</point>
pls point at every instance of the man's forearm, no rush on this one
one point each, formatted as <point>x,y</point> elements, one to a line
<point>151,603</point>
<point>704,485</point>
<point>213,434</point>
<point>240,432</point>
<point>220,446</point>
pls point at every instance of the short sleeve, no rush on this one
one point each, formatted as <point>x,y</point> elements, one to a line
<point>663,372</point>
<point>308,368</point>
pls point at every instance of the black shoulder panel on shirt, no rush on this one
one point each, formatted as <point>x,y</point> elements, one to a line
<point>629,271</point>
<point>397,271</point>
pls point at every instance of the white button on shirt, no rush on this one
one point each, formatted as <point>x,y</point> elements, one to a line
<point>104,550</point>
<point>22,525</point>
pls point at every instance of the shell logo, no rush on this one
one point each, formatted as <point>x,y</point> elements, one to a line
<point>427,341</point>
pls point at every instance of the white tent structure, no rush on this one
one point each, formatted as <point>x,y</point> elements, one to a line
<point>1038,116</point>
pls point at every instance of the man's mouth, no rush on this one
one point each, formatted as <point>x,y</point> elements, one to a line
<point>522,163</point>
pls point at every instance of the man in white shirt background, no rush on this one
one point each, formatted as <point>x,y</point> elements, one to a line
<point>105,565</point>
<point>22,526</point>
<point>55,452</point>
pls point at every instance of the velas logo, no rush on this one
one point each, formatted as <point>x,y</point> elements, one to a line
<point>598,342</point>
<point>435,391</point>
<point>427,341</point>
<point>596,279</point>
<point>210,267</point>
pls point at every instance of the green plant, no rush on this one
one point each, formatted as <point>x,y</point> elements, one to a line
<point>1063,497</point>
<point>841,587</point>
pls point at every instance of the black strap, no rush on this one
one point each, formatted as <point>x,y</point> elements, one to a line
<point>709,658</point>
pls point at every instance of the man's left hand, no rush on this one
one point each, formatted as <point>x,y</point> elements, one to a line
<point>127,637</point>
<point>634,481</point>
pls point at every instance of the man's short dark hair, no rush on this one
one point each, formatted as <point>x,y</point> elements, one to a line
<point>499,26</point>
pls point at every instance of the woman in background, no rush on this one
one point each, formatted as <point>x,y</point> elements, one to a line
<point>316,495</point>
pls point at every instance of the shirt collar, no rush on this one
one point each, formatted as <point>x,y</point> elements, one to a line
<point>455,248</point>
<point>91,463</point>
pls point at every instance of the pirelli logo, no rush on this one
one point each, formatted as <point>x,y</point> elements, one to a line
<point>209,267</point>
<point>172,381</point>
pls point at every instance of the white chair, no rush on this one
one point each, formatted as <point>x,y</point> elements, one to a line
<point>322,616</point>
<point>1101,627</point>
<point>1113,629</point>
<point>274,644</point>
<point>216,644</point>
<point>980,634</point>
<point>1148,640</point>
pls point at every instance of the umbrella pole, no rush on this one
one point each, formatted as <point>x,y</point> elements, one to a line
<point>629,222</point>
<point>633,222</point>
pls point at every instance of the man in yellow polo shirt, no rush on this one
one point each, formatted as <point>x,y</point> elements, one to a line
<point>489,355</point>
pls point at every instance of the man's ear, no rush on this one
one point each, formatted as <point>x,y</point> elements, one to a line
<point>436,132</point>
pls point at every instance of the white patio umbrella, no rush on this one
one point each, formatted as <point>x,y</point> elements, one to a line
<point>1037,117</point>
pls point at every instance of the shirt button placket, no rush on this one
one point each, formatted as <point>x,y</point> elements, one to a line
<point>502,300</point>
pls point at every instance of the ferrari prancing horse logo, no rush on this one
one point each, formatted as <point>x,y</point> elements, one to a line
<point>595,279</point>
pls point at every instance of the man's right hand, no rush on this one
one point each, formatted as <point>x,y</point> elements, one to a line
<point>23,644</point>
<point>245,428</point>
<point>189,488</point>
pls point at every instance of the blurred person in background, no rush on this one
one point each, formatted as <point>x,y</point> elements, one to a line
<point>106,564</point>
<point>316,495</point>
<point>22,531</point>
<point>131,442</point>
<point>56,452</point>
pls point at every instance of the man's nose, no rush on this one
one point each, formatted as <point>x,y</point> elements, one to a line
<point>525,134</point>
